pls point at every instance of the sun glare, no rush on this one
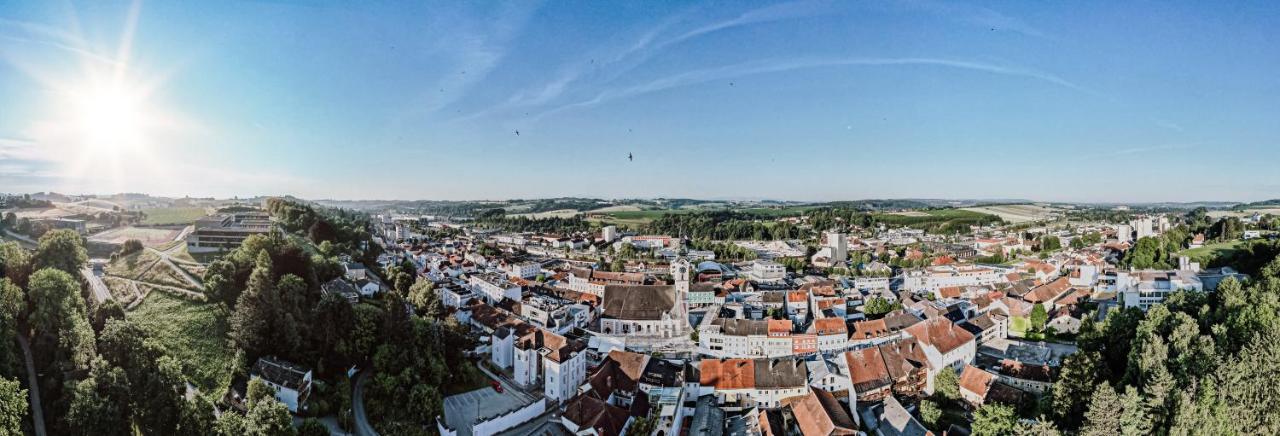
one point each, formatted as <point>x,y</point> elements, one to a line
<point>110,117</point>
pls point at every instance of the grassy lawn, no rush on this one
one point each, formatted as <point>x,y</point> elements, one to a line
<point>120,290</point>
<point>193,332</point>
<point>172,215</point>
<point>163,274</point>
<point>1209,252</point>
<point>132,265</point>
<point>1018,326</point>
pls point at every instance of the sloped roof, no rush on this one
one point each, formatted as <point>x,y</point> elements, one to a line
<point>590,412</point>
<point>728,374</point>
<point>819,414</point>
<point>976,380</point>
<point>867,370</point>
<point>560,348</point>
<point>1048,291</point>
<point>941,334</point>
<point>638,302</point>
<point>830,326</point>
<point>280,372</point>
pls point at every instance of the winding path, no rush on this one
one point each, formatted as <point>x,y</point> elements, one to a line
<point>362,427</point>
<point>33,388</point>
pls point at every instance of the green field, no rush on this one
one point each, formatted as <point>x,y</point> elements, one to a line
<point>1204,255</point>
<point>1018,326</point>
<point>193,332</point>
<point>172,215</point>
<point>132,265</point>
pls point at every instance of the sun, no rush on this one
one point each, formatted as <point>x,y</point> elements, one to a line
<point>111,116</point>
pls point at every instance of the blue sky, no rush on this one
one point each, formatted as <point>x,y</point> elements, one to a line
<point>1063,101</point>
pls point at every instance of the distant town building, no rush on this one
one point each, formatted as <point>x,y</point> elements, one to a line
<point>226,231</point>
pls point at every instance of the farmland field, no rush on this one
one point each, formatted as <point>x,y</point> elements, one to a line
<point>1243,213</point>
<point>1016,213</point>
<point>194,332</point>
<point>172,215</point>
<point>1209,252</point>
<point>149,237</point>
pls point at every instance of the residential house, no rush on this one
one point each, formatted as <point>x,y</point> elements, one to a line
<point>291,383</point>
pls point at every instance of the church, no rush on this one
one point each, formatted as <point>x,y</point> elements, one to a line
<point>657,311</point>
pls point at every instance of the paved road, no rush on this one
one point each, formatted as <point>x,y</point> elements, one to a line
<point>362,427</point>
<point>22,239</point>
<point>100,290</point>
<point>37,412</point>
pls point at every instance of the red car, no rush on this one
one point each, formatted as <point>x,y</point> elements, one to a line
<point>496,386</point>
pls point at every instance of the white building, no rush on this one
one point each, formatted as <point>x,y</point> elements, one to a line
<point>648,310</point>
<point>523,270</point>
<point>945,345</point>
<point>557,363</point>
<point>1142,289</point>
<point>290,383</point>
<point>609,233</point>
<point>933,278</point>
<point>746,383</point>
<point>494,288</point>
<point>767,271</point>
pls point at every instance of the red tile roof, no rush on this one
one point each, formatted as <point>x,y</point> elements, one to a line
<point>941,333</point>
<point>976,380</point>
<point>728,374</point>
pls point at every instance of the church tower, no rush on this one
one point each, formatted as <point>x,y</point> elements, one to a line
<point>681,270</point>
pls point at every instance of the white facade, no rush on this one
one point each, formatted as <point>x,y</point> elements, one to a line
<point>932,279</point>
<point>609,233</point>
<point>1143,289</point>
<point>523,270</point>
<point>495,288</point>
<point>767,271</point>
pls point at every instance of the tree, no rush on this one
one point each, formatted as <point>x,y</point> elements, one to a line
<point>1077,243</point>
<point>877,307</point>
<point>12,303</point>
<point>13,407</point>
<point>61,249</point>
<point>255,309</point>
<point>269,418</point>
<point>15,263</point>
<point>1134,420</point>
<point>312,427</point>
<point>99,403</point>
<point>130,246</point>
<point>426,300</point>
<point>1071,394</point>
<point>947,384</point>
<point>1050,243</point>
<point>930,413</point>
<point>1103,417</point>
<point>1039,317</point>
<point>994,419</point>
<point>258,391</point>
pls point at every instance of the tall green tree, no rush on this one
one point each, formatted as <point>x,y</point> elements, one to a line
<point>1103,417</point>
<point>994,419</point>
<point>255,309</point>
<point>947,384</point>
<point>13,407</point>
<point>15,263</point>
<point>61,249</point>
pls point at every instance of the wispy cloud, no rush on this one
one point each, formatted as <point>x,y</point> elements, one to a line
<point>1167,124</point>
<point>775,66</point>
<point>609,63</point>
<point>977,16</point>
<point>478,48</point>
<point>1129,151</point>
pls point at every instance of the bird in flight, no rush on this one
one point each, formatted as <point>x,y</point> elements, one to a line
<point>630,157</point>
<point>517,133</point>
